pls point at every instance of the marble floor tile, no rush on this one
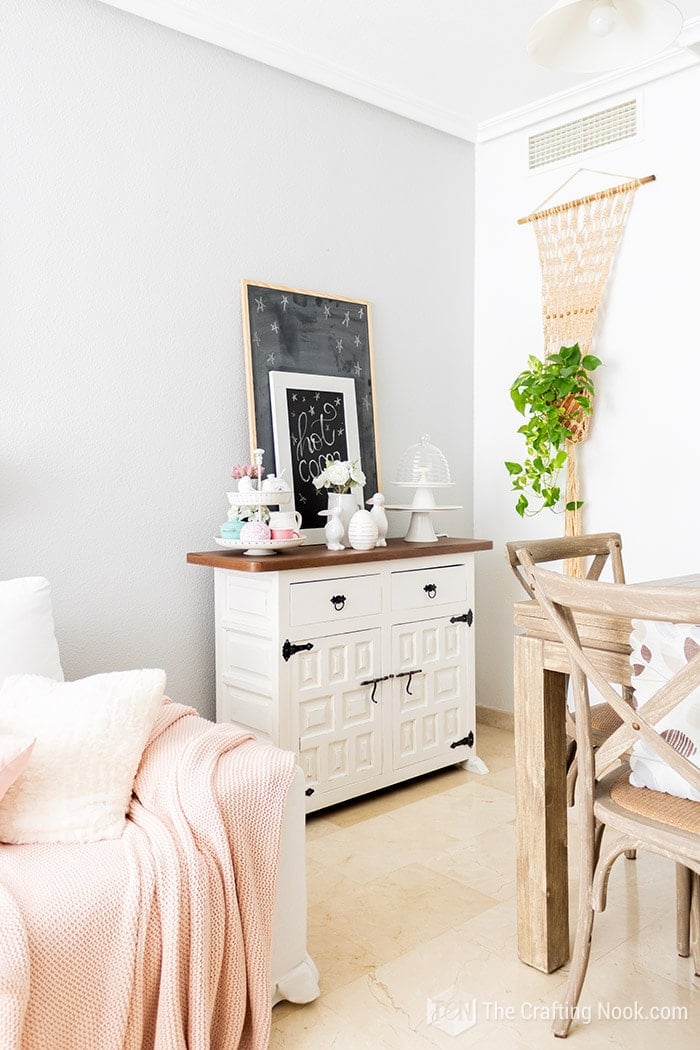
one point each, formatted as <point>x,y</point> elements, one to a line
<point>412,924</point>
<point>503,779</point>
<point>326,882</point>
<point>484,864</point>
<point>349,813</point>
<point>495,747</point>
<point>318,825</point>
<point>391,915</point>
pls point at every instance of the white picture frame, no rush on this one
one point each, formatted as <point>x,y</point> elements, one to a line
<point>324,424</point>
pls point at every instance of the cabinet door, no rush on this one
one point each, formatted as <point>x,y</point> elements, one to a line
<point>430,708</point>
<point>338,725</point>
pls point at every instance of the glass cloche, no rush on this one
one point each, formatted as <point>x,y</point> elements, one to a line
<point>422,467</point>
<point>423,464</point>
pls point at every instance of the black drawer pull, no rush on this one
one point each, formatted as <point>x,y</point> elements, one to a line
<point>431,590</point>
<point>338,602</point>
<point>467,617</point>
<point>309,791</point>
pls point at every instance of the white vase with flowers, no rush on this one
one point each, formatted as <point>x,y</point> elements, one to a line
<point>339,478</point>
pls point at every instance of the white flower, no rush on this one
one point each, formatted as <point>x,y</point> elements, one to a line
<point>337,474</point>
<point>321,481</point>
<point>357,476</point>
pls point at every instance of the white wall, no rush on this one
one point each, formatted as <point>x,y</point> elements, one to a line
<point>640,462</point>
<point>144,174</point>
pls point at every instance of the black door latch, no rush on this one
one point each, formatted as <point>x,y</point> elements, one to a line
<point>374,682</point>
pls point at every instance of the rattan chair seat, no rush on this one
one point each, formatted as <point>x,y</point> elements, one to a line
<point>680,813</point>
<point>604,719</point>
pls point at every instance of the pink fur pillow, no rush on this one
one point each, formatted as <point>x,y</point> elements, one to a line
<point>14,755</point>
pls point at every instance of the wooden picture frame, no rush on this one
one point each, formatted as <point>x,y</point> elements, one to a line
<point>315,335</point>
<point>313,418</point>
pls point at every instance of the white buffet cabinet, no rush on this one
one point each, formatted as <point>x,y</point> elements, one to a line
<point>361,662</point>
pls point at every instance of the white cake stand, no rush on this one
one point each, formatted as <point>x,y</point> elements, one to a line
<point>420,526</point>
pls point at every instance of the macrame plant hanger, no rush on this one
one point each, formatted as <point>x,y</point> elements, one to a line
<point>577,242</point>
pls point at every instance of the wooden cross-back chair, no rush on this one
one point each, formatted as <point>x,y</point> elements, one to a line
<point>604,549</point>
<point>642,818</point>
<point>601,548</point>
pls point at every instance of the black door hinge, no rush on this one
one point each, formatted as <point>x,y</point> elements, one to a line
<point>467,617</point>
<point>289,649</point>
<point>467,741</point>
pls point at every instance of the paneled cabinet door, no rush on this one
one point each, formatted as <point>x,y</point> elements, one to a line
<point>429,706</point>
<point>338,724</point>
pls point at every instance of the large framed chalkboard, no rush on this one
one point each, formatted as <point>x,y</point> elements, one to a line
<point>325,342</point>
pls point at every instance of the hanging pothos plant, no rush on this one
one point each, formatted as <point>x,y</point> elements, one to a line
<point>554,395</point>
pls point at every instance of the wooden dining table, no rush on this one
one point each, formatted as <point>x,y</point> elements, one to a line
<point>540,670</point>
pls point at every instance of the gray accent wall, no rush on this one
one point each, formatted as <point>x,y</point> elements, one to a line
<point>144,174</point>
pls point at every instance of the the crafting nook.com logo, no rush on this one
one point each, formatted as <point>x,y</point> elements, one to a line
<point>451,1011</point>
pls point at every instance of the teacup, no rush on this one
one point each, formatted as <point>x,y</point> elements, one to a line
<point>285,519</point>
<point>231,530</point>
<point>274,484</point>
<point>284,534</point>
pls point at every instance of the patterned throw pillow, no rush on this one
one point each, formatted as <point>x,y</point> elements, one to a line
<point>660,650</point>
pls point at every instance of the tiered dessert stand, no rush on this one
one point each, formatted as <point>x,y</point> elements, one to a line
<point>259,497</point>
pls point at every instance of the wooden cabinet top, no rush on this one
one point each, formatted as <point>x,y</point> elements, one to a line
<point>317,555</point>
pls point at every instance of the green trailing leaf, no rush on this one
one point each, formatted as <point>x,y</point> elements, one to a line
<point>541,393</point>
<point>590,363</point>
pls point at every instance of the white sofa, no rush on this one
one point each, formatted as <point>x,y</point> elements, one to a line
<point>28,646</point>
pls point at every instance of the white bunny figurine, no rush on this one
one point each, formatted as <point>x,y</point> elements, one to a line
<point>333,529</point>
<point>380,518</point>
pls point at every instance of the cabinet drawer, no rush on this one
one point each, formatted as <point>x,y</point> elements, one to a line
<point>354,596</point>
<point>425,588</point>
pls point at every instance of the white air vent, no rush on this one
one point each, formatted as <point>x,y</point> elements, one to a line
<point>591,132</point>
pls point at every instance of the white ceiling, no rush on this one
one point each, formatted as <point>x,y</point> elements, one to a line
<point>458,65</point>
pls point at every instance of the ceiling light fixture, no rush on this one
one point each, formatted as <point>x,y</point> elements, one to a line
<point>595,36</point>
<point>603,18</point>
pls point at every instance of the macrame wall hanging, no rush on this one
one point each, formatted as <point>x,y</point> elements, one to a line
<point>577,242</point>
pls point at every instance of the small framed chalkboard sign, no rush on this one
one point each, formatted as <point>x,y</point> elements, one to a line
<point>310,389</point>
<point>314,418</point>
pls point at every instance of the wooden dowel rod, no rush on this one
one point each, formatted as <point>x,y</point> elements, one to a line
<point>610,192</point>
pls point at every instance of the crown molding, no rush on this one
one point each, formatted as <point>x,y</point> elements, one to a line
<point>675,60</point>
<point>192,18</point>
<point>204,26</point>
<point>690,33</point>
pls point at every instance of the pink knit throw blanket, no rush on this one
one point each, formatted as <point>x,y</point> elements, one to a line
<point>159,939</point>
